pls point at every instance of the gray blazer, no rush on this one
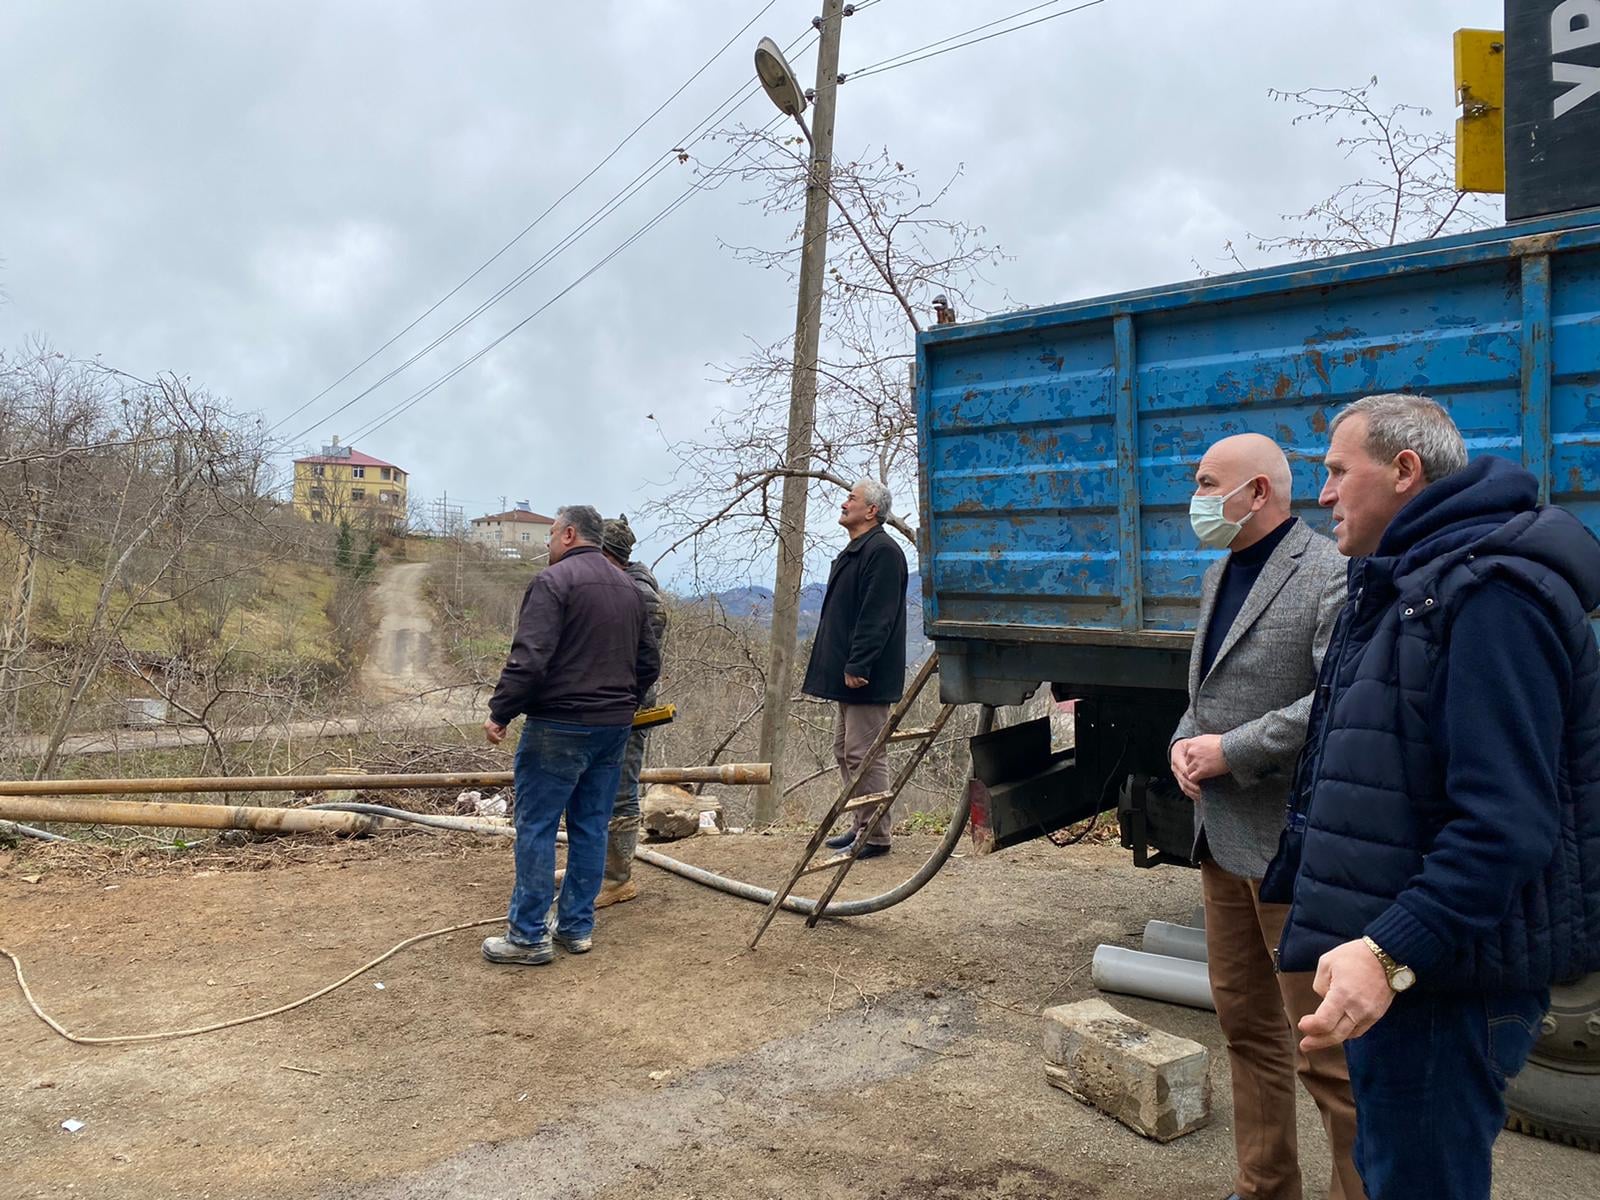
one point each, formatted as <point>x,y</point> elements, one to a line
<point>1258,692</point>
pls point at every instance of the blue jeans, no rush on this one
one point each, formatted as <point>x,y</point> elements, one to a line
<point>572,769</point>
<point>1429,1081</point>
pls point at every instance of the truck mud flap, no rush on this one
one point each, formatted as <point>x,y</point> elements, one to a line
<point>1020,789</point>
<point>1157,822</point>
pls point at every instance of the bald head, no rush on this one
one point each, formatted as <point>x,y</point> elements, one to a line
<point>1257,471</point>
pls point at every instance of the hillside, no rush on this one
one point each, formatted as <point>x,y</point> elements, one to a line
<point>274,613</point>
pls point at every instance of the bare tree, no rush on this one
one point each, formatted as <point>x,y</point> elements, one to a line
<point>890,253</point>
<point>166,411</point>
<point>1405,187</point>
<point>149,485</point>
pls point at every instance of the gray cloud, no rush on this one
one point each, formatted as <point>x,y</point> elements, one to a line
<point>259,196</point>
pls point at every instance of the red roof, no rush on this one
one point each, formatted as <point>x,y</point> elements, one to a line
<point>517,514</point>
<point>354,459</point>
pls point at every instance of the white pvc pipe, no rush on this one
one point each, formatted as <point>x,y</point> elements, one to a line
<point>1175,941</point>
<point>1154,976</point>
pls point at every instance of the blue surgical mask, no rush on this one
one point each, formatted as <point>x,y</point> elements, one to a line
<point>1213,529</point>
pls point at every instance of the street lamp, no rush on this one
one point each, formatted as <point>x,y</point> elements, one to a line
<point>782,88</point>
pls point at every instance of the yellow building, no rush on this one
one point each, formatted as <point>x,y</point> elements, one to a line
<point>343,484</point>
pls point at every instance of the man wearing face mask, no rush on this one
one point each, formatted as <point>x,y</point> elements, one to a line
<point>1267,609</point>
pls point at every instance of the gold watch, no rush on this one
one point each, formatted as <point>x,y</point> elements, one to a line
<point>1399,975</point>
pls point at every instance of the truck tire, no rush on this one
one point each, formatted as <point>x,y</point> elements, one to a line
<point>1557,1095</point>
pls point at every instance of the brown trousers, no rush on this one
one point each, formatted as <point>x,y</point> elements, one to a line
<point>1260,1013</point>
<point>856,728</point>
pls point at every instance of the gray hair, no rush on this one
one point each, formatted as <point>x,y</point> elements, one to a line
<point>877,495</point>
<point>585,521</point>
<point>1397,421</point>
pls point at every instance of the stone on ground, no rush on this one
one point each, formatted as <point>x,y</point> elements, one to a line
<point>1155,1083</point>
<point>669,812</point>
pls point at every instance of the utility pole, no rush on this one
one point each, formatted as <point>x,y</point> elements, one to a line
<point>802,417</point>
<point>453,528</point>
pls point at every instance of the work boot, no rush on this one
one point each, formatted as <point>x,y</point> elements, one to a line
<point>616,893</point>
<point>504,950</point>
<point>619,885</point>
<point>574,945</point>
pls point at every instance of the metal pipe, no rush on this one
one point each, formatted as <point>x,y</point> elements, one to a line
<point>188,816</point>
<point>16,800</point>
<point>494,826</point>
<point>1154,976</point>
<point>1175,941</point>
<point>729,773</point>
<point>759,774</point>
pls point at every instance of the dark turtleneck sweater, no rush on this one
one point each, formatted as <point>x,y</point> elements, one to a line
<point>1237,579</point>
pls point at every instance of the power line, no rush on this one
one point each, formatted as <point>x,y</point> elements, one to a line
<point>535,222</point>
<point>909,57</point>
<point>906,58</point>
<point>639,183</point>
<point>373,426</point>
<point>723,110</point>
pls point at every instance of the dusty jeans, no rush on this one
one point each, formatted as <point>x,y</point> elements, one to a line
<point>854,731</point>
<point>623,834</point>
<point>571,769</point>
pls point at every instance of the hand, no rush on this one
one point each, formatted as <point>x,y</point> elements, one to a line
<point>494,731</point>
<point>1179,761</point>
<point>1204,757</point>
<point>854,681</point>
<point>1355,992</point>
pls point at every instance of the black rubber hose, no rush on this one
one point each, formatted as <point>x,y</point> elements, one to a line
<point>737,887</point>
<point>838,908</point>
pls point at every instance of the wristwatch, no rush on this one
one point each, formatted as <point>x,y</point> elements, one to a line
<point>1400,976</point>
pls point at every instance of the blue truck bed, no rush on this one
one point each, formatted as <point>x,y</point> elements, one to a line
<point>1058,445</point>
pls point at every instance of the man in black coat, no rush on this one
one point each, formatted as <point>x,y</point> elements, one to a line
<point>859,656</point>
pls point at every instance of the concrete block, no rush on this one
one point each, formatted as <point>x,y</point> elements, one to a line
<point>1155,1083</point>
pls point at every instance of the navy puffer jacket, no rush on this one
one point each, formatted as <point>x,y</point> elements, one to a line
<point>1449,793</point>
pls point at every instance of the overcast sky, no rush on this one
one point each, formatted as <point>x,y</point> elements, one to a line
<point>260,196</point>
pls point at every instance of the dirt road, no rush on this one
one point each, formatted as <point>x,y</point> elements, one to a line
<point>896,1056</point>
<point>400,658</point>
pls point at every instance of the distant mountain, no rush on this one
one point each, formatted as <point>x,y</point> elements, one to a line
<point>755,603</point>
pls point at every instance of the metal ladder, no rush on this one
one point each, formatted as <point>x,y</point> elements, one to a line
<point>874,804</point>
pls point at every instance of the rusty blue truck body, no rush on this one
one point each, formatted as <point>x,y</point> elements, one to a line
<point>1058,448</point>
<point>1058,445</point>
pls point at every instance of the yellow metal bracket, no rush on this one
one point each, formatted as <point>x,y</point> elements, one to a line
<point>1481,94</point>
<point>649,718</point>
